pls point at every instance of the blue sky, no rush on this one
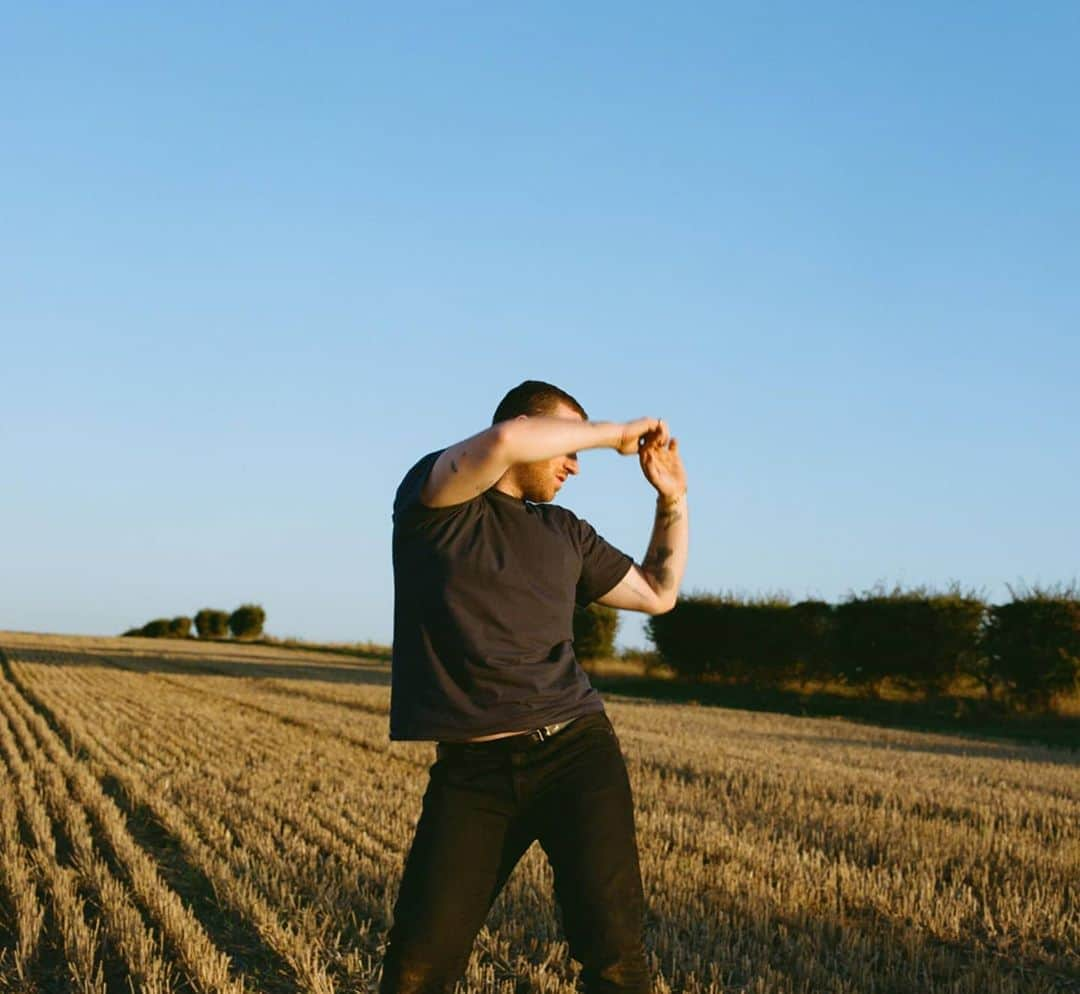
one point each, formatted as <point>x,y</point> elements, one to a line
<point>257,260</point>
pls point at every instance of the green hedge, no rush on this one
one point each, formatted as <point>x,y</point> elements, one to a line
<point>920,639</point>
<point>594,631</point>
<point>1032,645</point>
<point>691,637</point>
<point>809,630</point>
<point>1027,650</point>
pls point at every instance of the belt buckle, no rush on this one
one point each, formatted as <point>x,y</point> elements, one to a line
<point>547,731</point>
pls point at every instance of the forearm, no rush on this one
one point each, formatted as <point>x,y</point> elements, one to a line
<point>544,437</point>
<point>665,561</point>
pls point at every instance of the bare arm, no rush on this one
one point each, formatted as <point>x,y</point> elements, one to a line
<point>466,469</point>
<point>475,464</point>
<point>543,437</point>
<point>665,562</point>
<point>653,587</point>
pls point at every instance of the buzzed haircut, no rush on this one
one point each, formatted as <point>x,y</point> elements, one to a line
<point>533,397</point>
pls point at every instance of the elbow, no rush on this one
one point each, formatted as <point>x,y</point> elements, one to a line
<point>664,604</point>
<point>501,435</point>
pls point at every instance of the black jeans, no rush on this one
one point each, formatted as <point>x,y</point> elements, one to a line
<point>485,804</point>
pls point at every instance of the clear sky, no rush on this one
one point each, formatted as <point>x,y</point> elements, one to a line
<point>257,259</point>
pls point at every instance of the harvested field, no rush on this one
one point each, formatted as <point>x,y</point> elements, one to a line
<point>216,818</point>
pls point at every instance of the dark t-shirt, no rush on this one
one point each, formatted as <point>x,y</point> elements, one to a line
<point>484,595</point>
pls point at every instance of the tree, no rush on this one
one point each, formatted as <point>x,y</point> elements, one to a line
<point>594,631</point>
<point>246,622</point>
<point>156,629</point>
<point>180,627</point>
<point>212,624</point>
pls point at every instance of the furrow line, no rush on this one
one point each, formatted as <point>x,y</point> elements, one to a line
<point>207,967</point>
<point>139,947</point>
<point>79,942</point>
<point>304,960</point>
<point>17,881</point>
<point>351,840</point>
<point>216,742</point>
<point>383,751</point>
<point>256,858</point>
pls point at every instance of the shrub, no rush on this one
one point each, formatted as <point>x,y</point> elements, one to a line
<point>761,632</point>
<point>212,624</point>
<point>156,629</point>
<point>688,637</point>
<point>919,638</point>
<point>1032,644</point>
<point>809,630</point>
<point>594,631</point>
<point>246,622</point>
<point>180,628</point>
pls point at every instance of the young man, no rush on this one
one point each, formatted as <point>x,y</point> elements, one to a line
<point>486,577</point>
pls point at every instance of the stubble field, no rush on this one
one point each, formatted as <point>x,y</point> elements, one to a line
<point>233,818</point>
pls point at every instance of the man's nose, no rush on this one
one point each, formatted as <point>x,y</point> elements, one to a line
<point>572,465</point>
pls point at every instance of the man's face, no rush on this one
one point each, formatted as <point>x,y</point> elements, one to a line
<point>540,481</point>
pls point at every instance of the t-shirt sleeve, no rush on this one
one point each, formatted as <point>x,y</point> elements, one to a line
<point>602,565</point>
<point>407,499</point>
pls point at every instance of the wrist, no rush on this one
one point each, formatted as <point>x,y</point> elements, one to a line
<point>613,434</point>
<point>668,501</point>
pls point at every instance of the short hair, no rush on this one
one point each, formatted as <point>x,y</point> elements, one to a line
<point>534,397</point>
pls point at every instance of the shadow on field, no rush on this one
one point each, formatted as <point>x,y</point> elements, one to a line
<point>976,749</point>
<point>374,672</point>
<point>970,718</point>
<point>949,716</point>
<point>892,955</point>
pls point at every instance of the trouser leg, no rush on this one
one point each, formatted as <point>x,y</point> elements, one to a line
<point>588,835</point>
<point>465,845</point>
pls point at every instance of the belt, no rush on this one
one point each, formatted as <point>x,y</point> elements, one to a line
<point>510,741</point>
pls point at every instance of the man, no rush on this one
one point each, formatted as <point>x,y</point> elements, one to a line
<point>486,577</point>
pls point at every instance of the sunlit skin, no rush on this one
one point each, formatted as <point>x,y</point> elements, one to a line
<point>540,481</point>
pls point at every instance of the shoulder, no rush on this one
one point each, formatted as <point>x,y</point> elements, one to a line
<point>420,468</point>
<point>407,495</point>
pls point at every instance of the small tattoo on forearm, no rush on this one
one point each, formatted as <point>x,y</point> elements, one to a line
<point>659,556</point>
<point>668,517</point>
<point>453,465</point>
<point>656,564</point>
<point>663,577</point>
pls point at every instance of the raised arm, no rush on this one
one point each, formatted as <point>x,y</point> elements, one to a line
<point>653,587</point>
<point>476,463</point>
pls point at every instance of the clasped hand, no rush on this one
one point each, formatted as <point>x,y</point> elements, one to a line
<point>658,454</point>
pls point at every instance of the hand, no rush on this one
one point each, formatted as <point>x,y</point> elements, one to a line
<point>662,464</point>
<point>635,432</point>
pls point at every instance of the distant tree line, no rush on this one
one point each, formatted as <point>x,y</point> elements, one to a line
<point>246,622</point>
<point>1023,653</point>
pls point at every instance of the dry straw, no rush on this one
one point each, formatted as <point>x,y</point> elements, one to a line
<point>240,823</point>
